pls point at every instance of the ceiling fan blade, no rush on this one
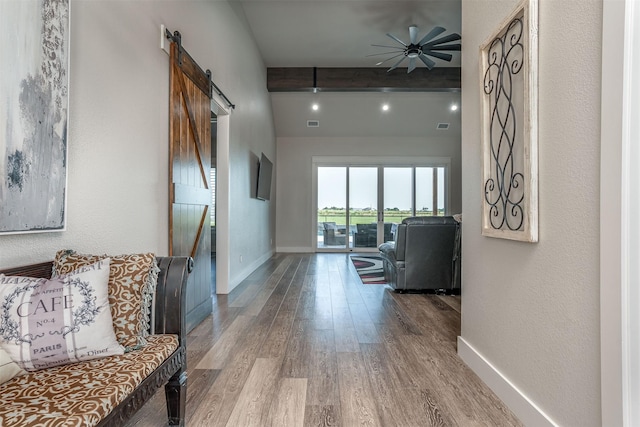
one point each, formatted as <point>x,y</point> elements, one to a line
<point>427,61</point>
<point>443,56</point>
<point>389,59</point>
<point>394,66</point>
<point>412,65</point>
<point>385,53</point>
<point>446,47</point>
<point>390,47</point>
<point>397,39</point>
<point>445,39</point>
<point>413,34</point>
<point>436,31</point>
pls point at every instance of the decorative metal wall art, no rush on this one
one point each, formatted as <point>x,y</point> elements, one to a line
<point>508,66</point>
<point>34,65</point>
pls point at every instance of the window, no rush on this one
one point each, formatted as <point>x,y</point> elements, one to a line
<point>350,194</point>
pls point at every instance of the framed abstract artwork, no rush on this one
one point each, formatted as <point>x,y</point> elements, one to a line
<point>509,93</point>
<point>34,65</point>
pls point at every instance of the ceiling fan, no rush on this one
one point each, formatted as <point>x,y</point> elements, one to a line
<point>422,49</point>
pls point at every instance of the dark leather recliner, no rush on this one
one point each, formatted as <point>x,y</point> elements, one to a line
<point>424,256</point>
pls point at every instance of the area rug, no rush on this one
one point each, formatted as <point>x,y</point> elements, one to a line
<point>369,268</point>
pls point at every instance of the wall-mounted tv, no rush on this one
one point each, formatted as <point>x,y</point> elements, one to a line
<point>265,170</point>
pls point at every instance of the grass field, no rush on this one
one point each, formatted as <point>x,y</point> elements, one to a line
<point>365,217</point>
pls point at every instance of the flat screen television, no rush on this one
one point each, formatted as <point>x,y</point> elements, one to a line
<point>265,170</point>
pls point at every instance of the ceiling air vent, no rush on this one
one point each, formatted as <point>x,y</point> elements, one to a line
<point>442,126</point>
<point>313,123</point>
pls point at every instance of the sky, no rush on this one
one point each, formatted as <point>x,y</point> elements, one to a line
<point>363,182</point>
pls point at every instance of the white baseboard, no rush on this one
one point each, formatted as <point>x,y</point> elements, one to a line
<point>294,250</point>
<point>523,408</point>
<point>250,268</point>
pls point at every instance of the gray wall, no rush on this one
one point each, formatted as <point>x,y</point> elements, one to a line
<point>294,182</point>
<point>532,310</point>
<point>118,137</point>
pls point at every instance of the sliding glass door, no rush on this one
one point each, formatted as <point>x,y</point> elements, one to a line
<point>363,207</point>
<point>430,191</point>
<point>332,207</point>
<point>398,191</point>
<point>358,204</point>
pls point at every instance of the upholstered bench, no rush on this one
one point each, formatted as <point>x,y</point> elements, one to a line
<point>109,390</point>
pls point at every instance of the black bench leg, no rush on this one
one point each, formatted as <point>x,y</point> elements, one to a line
<point>176,394</point>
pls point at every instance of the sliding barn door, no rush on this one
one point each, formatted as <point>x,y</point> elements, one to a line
<point>189,169</point>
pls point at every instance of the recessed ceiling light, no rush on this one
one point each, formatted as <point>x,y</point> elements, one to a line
<point>385,107</point>
<point>454,107</point>
<point>315,107</point>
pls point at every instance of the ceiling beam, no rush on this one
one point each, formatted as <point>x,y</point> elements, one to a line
<point>440,79</point>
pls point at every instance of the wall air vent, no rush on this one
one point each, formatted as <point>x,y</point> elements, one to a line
<point>313,123</point>
<point>442,126</point>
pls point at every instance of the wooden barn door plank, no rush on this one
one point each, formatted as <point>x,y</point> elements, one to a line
<point>189,165</point>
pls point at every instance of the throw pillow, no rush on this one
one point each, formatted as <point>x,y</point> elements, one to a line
<point>51,322</point>
<point>132,284</point>
<point>8,368</point>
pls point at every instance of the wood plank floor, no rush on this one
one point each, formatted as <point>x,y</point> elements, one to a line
<point>302,342</point>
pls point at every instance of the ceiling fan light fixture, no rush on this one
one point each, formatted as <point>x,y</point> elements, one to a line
<point>413,51</point>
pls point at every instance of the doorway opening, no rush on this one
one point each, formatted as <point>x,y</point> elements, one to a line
<point>212,186</point>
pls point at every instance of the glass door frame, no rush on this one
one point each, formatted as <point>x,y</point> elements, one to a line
<point>380,163</point>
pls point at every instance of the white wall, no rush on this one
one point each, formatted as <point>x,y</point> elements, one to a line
<point>532,310</point>
<point>252,222</point>
<point>294,182</point>
<point>118,135</point>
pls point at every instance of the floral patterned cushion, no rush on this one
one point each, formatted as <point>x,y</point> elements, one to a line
<point>80,394</point>
<point>132,283</point>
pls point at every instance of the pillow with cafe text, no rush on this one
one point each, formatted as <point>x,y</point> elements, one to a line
<point>51,322</point>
